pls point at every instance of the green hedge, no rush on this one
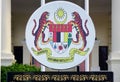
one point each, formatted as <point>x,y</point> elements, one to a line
<point>17,68</point>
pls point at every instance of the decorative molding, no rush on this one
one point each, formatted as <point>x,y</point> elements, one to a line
<point>7,58</point>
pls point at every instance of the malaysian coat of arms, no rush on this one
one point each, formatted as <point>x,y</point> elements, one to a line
<point>60,35</point>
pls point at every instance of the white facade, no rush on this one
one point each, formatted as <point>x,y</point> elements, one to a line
<point>104,33</point>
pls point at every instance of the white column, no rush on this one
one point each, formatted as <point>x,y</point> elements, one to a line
<point>114,58</point>
<point>95,57</point>
<point>87,59</point>
<point>42,2</point>
<point>7,58</point>
<point>26,54</point>
<point>115,25</point>
<point>42,66</point>
<point>0,27</point>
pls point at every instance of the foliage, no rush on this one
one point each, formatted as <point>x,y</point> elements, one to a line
<point>16,68</point>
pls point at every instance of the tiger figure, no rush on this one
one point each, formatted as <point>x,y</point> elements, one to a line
<point>43,23</point>
<point>78,23</point>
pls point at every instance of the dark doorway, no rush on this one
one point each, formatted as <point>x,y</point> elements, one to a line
<point>18,52</point>
<point>103,56</point>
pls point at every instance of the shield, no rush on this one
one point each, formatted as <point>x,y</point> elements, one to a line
<point>60,36</point>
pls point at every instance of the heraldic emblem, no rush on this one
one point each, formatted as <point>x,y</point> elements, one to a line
<point>59,34</point>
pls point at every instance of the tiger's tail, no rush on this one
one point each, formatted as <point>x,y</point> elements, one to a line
<point>34,27</point>
<point>86,28</point>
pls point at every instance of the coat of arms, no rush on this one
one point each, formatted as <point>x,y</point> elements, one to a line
<point>60,34</point>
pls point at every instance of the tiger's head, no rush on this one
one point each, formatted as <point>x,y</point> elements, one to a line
<point>45,15</point>
<point>76,16</point>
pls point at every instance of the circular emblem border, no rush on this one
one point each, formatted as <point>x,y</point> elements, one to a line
<point>60,14</point>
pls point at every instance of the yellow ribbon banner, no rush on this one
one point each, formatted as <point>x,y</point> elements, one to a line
<point>50,58</point>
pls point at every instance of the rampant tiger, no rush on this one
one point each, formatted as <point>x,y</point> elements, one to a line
<point>78,21</point>
<point>43,22</point>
